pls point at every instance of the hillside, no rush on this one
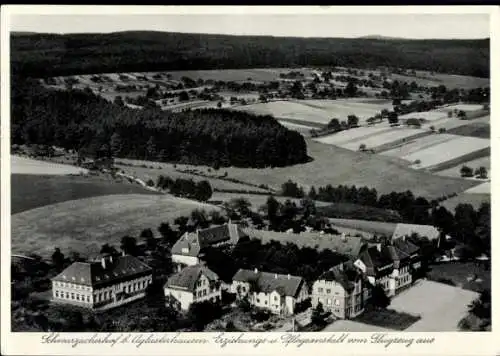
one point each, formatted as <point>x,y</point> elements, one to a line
<point>29,191</point>
<point>44,55</point>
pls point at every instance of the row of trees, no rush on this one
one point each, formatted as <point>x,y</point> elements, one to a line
<point>94,127</point>
<point>188,188</point>
<point>480,172</point>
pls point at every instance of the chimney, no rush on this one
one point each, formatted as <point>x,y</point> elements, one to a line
<point>255,271</point>
<point>123,253</point>
<point>344,237</point>
<point>288,276</point>
<point>275,276</point>
<point>379,247</point>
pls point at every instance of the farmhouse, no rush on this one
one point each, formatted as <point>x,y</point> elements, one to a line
<point>341,291</point>
<point>104,284</point>
<point>377,267</point>
<point>276,292</point>
<point>193,284</point>
<point>188,250</point>
<point>402,262</point>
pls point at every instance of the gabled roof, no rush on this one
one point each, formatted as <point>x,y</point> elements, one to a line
<point>374,261</point>
<point>186,279</point>
<point>285,285</point>
<point>406,246</point>
<point>93,273</point>
<point>428,231</point>
<point>346,275</point>
<point>190,244</point>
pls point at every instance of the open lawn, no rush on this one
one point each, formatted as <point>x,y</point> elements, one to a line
<point>450,153</point>
<point>23,165</point>
<point>474,164</point>
<point>484,188</point>
<point>426,115</point>
<point>355,134</point>
<point>467,198</point>
<point>334,165</point>
<point>464,107</point>
<point>302,129</point>
<point>84,225</point>
<point>449,80</point>
<point>466,275</point>
<point>30,191</point>
<point>448,306</point>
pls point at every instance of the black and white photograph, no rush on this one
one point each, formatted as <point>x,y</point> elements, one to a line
<point>260,172</point>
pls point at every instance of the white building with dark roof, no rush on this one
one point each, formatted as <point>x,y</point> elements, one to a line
<point>188,250</point>
<point>278,293</point>
<point>193,284</point>
<point>104,284</point>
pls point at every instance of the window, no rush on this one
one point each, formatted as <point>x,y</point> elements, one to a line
<point>204,292</point>
<point>243,289</point>
<point>88,298</point>
<point>328,301</point>
<point>275,298</point>
<point>72,295</point>
<point>67,295</point>
<point>265,302</point>
<point>57,294</point>
<point>258,300</point>
<point>328,291</point>
<point>129,288</point>
<point>320,290</point>
<point>78,297</point>
<point>337,302</point>
<point>143,284</point>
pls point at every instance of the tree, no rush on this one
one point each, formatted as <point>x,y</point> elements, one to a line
<point>350,90</point>
<point>219,104</point>
<point>352,121</point>
<point>108,249</point>
<point>115,144</point>
<point>200,218</point>
<point>150,147</point>
<point>396,102</point>
<point>272,208</point>
<point>334,124</point>
<point>202,313</point>
<point>450,114</point>
<point>183,96</point>
<point>414,122</point>
<point>58,259</point>
<point>129,245</point>
<point>466,171</point>
<point>241,205</point>
<point>203,191</point>
<point>432,128</point>
<point>392,118</point>
<point>166,232</point>
<point>317,315</point>
<point>362,147</point>
<point>379,299</point>
<point>181,222</point>
<point>481,172</point>
<point>119,101</point>
<point>462,115</point>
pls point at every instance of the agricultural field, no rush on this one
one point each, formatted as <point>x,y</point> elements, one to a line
<point>29,191</point>
<point>317,111</point>
<point>334,165</point>
<point>302,129</point>
<point>464,107</point>
<point>484,188</point>
<point>346,136</point>
<point>236,75</point>
<point>417,145</point>
<point>23,165</point>
<point>449,80</point>
<point>84,225</point>
<point>474,164</point>
<point>386,139</point>
<point>474,199</point>
<point>152,170</point>
<point>372,227</point>
<point>474,129</point>
<point>428,116</point>
<point>450,153</point>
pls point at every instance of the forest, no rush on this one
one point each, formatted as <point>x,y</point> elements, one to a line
<point>94,127</point>
<point>46,55</point>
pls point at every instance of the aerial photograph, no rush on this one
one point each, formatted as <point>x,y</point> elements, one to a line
<point>250,172</point>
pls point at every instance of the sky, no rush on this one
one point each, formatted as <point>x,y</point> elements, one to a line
<point>417,26</point>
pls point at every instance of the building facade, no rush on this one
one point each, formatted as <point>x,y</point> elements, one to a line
<point>114,281</point>
<point>188,250</point>
<point>340,291</point>
<point>277,293</point>
<point>193,284</point>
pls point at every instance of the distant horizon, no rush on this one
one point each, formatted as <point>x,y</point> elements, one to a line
<point>437,26</point>
<point>372,36</point>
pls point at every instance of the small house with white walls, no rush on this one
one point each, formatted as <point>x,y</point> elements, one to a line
<point>378,268</point>
<point>193,284</point>
<point>109,282</point>
<point>188,250</point>
<point>279,293</point>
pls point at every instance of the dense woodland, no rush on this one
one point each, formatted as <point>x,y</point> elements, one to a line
<point>82,121</point>
<point>45,55</point>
